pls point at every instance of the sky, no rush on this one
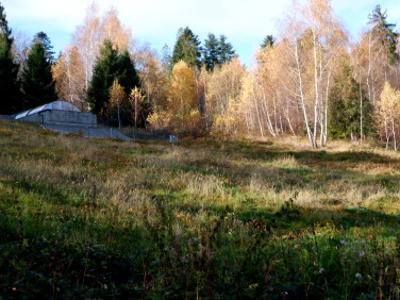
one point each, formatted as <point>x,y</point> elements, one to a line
<point>156,22</point>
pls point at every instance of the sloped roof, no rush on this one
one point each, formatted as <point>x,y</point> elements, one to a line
<point>56,105</point>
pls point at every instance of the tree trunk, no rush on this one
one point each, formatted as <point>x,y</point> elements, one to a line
<point>119,118</point>
<point>316,88</point>
<point>361,116</point>
<point>265,108</point>
<point>302,99</point>
<point>325,136</point>
<point>394,136</point>
<point>259,118</point>
<point>369,69</point>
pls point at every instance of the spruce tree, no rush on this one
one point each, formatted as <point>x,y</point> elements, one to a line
<point>227,53</point>
<point>187,48</point>
<point>385,33</point>
<point>268,41</point>
<point>37,83</point>
<point>43,39</point>
<point>217,52</point>
<point>128,77</point>
<point>109,67</point>
<point>126,73</point>
<point>211,52</point>
<point>345,106</point>
<point>104,74</point>
<point>10,100</point>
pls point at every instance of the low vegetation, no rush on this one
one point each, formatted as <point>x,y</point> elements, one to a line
<point>197,219</point>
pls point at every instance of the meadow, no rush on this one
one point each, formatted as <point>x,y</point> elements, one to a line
<point>199,219</point>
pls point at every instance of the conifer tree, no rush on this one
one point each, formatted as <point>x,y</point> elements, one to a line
<point>42,38</point>
<point>385,33</point>
<point>104,74</point>
<point>211,52</point>
<point>10,100</point>
<point>126,73</point>
<point>37,83</point>
<point>349,108</point>
<point>217,52</point>
<point>109,67</point>
<point>268,41</point>
<point>226,50</point>
<point>187,48</point>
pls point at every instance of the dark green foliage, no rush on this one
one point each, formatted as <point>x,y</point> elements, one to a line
<point>187,48</point>
<point>385,32</point>
<point>104,74</point>
<point>211,52</point>
<point>126,73</point>
<point>268,41</point>
<point>43,39</point>
<point>345,106</point>
<point>111,66</point>
<point>38,86</point>
<point>226,50</point>
<point>216,52</point>
<point>10,100</point>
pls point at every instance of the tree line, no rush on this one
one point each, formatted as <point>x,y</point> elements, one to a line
<point>309,81</point>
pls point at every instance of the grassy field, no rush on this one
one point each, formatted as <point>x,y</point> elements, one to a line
<point>202,219</point>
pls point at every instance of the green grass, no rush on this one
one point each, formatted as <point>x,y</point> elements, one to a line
<point>202,219</point>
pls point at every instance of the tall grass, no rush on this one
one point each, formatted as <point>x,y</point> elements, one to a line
<point>202,219</point>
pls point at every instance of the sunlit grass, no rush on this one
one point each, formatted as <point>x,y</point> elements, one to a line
<point>206,218</point>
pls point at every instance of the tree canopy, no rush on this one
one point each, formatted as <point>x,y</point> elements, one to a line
<point>110,66</point>
<point>37,83</point>
<point>217,52</point>
<point>384,32</point>
<point>187,48</point>
<point>10,100</point>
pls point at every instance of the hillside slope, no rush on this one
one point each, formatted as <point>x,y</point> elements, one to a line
<point>210,219</point>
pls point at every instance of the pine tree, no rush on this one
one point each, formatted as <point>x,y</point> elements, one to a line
<point>38,86</point>
<point>187,48</point>
<point>10,100</point>
<point>211,52</point>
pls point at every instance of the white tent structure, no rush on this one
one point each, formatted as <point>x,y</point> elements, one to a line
<point>60,105</point>
<point>58,113</point>
<point>64,117</point>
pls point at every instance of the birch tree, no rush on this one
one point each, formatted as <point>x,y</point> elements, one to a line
<point>313,35</point>
<point>388,115</point>
<point>136,99</point>
<point>117,96</point>
<point>182,104</point>
<point>69,74</point>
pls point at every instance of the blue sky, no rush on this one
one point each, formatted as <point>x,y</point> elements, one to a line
<point>156,22</point>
